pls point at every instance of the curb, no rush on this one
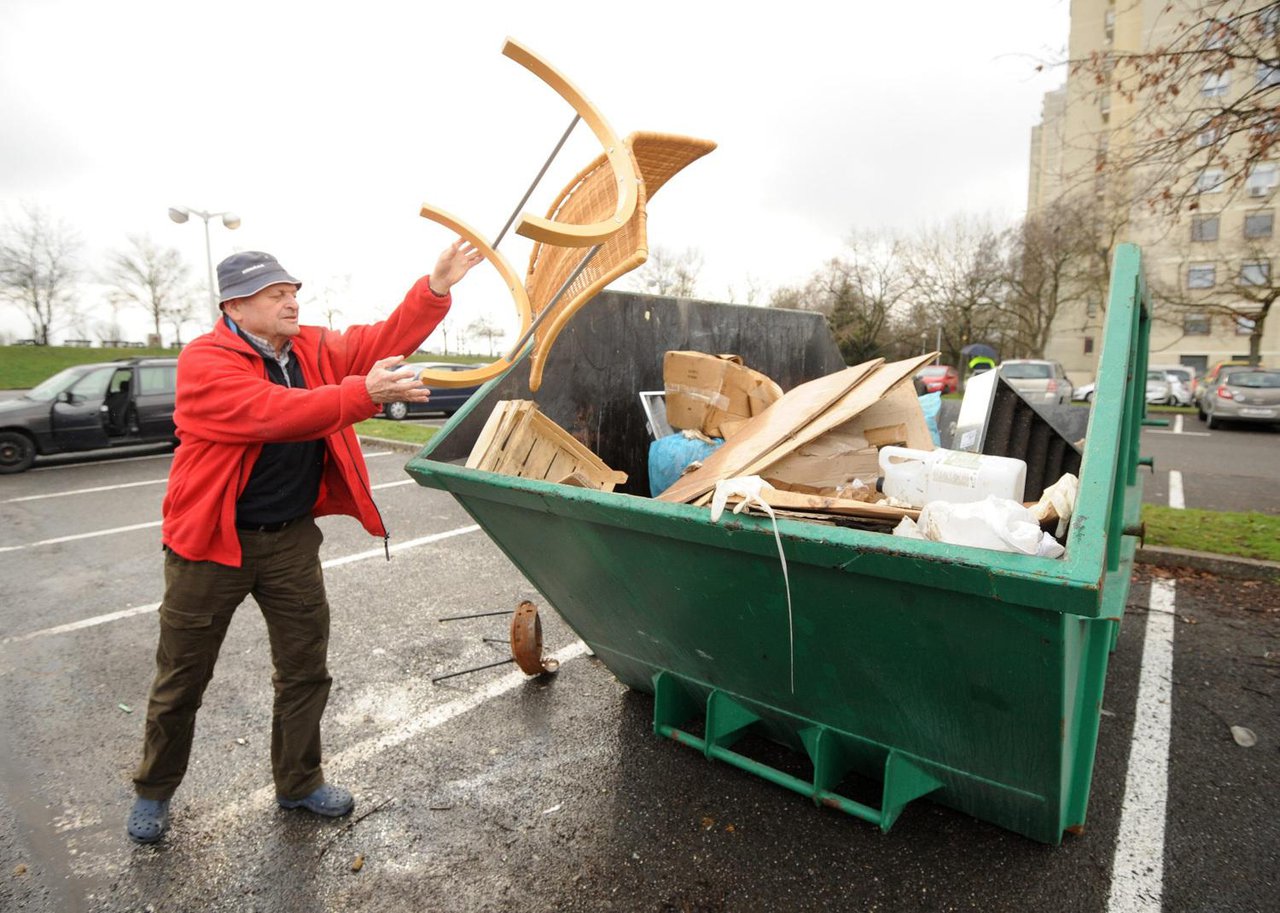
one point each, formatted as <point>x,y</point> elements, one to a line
<point>1222,565</point>
<point>404,446</point>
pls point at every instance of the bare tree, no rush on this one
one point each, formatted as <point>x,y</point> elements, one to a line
<point>486,328</point>
<point>667,272</point>
<point>154,278</point>
<point>858,292</point>
<point>752,290</point>
<point>39,266</point>
<point>1055,256</point>
<point>958,278</point>
<point>1180,139</point>
<point>1240,287</point>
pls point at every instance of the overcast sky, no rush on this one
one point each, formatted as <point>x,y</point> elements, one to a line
<point>325,125</point>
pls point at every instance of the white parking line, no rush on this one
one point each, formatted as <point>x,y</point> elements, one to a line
<point>167,455</point>
<point>84,491</point>
<point>1137,869</point>
<point>1177,424</point>
<point>391,484</point>
<point>138,610</point>
<point>1176,500</point>
<point>90,535</point>
<point>356,758</point>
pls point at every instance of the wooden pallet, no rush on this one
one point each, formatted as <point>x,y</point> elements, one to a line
<point>518,440</point>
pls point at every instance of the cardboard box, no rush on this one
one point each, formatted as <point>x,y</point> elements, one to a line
<point>705,391</point>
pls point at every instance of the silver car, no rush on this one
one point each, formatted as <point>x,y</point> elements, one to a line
<point>1037,380</point>
<point>1245,396</point>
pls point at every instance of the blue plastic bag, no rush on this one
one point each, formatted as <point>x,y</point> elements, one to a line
<point>668,457</point>
<point>930,404</point>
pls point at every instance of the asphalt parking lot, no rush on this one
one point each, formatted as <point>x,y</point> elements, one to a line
<point>492,791</point>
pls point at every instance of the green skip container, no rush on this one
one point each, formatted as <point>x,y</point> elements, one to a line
<point>966,677</point>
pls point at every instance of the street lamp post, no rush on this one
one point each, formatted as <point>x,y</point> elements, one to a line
<point>229,219</point>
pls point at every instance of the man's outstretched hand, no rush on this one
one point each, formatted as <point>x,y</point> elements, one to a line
<point>454,263</point>
<point>389,386</point>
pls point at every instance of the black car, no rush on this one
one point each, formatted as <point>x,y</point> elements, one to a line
<point>89,407</point>
<point>443,399</point>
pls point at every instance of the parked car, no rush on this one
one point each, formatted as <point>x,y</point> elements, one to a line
<point>1159,392</point>
<point>1038,380</point>
<point>1218,375</point>
<point>447,400</point>
<point>1083,392</point>
<point>939,377</point>
<point>1244,396</point>
<point>1181,382</point>
<point>89,407</point>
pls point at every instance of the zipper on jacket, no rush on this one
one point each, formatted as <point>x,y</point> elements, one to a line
<point>386,535</point>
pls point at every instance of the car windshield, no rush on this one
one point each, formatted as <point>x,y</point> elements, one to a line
<point>1157,376</point>
<point>47,391</point>
<point>933,372</point>
<point>1256,379</point>
<point>1027,371</point>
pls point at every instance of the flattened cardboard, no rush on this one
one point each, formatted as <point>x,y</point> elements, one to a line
<point>851,451</point>
<point>765,431</point>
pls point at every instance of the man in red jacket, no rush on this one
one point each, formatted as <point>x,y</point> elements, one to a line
<point>264,413</point>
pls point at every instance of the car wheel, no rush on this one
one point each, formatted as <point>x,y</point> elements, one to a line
<point>17,452</point>
<point>396,411</point>
<point>1199,412</point>
<point>1088,397</point>
<point>1212,422</point>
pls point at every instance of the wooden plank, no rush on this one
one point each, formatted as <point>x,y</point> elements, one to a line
<point>794,500</point>
<point>488,433</point>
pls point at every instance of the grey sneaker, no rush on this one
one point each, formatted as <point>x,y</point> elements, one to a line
<point>329,800</point>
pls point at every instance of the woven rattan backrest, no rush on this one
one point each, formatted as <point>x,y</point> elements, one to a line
<point>590,197</point>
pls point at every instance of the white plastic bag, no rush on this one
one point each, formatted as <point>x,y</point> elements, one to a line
<point>994,523</point>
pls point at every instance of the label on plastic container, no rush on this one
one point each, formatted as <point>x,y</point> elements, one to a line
<point>957,468</point>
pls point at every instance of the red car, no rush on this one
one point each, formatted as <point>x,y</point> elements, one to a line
<point>939,377</point>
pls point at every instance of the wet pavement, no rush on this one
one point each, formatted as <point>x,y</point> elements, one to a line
<point>493,791</point>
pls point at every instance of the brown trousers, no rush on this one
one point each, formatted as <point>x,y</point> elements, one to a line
<point>282,572</point>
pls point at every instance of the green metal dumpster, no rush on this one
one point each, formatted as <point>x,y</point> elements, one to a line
<point>973,678</point>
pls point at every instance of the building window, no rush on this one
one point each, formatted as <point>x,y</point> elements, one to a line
<point>1261,180</point>
<point>1195,324</point>
<point>1208,134</point>
<point>1201,275</point>
<point>1211,180</point>
<point>1088,345</point>
<point>1255,272</point>
<point>1091,307</point>
<point>1104,106</point>
<point>1268,75</point>
<point>1109,25</point>
<point>1259,224</point>
<point>1204,228</point>
<point>1216,85</point>
<point>1244,326</point>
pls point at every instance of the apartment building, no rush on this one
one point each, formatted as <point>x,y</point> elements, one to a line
<point>1207,263</point>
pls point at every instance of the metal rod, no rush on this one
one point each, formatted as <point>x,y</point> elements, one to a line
<point>501,662</point>
<point>477,615</point>
<point>528,193</point>
<point>494,640</point>
<point>542,315</point>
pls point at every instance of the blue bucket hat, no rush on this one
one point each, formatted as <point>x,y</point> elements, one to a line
<point>248,273</point>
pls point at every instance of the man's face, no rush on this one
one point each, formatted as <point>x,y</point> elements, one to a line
<point>271,313</point>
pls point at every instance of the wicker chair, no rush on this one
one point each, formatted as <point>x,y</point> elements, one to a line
<point>591,197</point>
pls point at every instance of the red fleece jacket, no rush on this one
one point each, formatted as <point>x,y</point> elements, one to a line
<point>227,408</point>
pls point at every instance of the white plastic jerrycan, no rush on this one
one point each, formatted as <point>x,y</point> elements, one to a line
<point>916,477</point>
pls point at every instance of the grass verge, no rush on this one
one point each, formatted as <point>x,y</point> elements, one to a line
<point>409,432</point>
<point>1244,535</point>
